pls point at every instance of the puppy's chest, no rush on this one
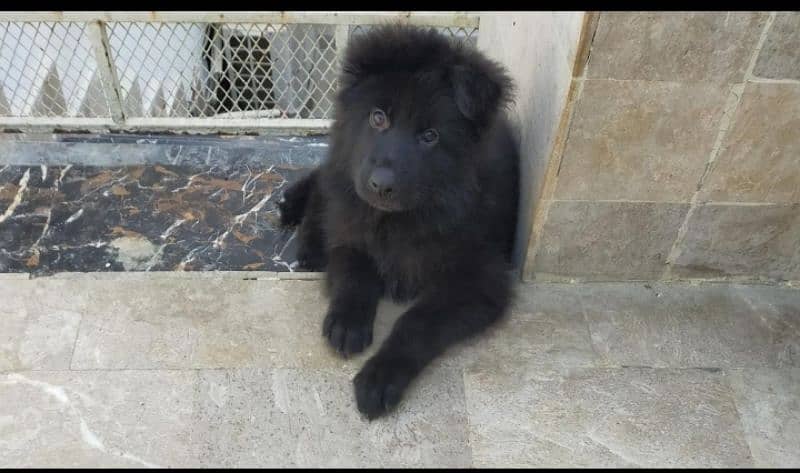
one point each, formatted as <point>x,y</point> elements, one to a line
<point>397,248</point>
<point>401,251</point>
<point>404,253</point>
<point>404,263</point>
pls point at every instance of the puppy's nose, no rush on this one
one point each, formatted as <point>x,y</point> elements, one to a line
<point>381,181</point>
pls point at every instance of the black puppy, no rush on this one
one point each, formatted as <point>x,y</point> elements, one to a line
<point>418,198</point>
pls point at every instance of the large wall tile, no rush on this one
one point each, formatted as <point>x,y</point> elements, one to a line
<point>607,240</point>
<point>666,46</point>
<point>741,240</point>
<point>640,140</point>
<point>760,159</point>
<point>527,418</point>
<point>780,55</point>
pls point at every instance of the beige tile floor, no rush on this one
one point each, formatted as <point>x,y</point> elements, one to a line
<point>181,370</point>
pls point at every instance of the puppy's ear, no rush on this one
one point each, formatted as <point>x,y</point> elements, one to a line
<point>350,75</point>
<point>481,87</point>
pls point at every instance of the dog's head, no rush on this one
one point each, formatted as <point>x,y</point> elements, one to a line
<point>412,108</point>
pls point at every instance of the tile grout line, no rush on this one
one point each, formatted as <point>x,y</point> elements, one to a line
<point>673,202</point>
<point>751,78</point>
<point>764,80</point>
<point>245,367</point>
<point>726,121</point>
<point>726,375</point>
<point>600,360</point>
<point>731,106</point>
<point>75,343</point>
<point>138,276</point>
<point>547,278</point>
<point>336,371</point>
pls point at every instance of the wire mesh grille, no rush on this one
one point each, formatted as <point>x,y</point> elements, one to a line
<point>49,69</point>
<point>175,69</point>
<point>224,70</point>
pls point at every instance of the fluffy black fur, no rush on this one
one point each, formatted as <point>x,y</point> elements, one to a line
<point>438,229</point>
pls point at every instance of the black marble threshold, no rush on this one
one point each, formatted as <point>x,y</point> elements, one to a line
<point>87,203</point>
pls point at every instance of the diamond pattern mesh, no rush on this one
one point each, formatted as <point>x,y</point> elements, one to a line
<point>175,69</point>
<point>48,69</point>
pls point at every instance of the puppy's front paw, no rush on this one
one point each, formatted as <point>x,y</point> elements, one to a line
<point>348,329</point>
<point>380,385</point>
<point>290,211</point>
<point>311,258</point>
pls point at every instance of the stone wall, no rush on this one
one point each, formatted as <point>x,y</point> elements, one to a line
<point>681,156</point>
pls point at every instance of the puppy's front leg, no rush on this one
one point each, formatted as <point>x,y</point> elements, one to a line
<point>355,288</point>
<point>292,204</point>
<point>457,310</point>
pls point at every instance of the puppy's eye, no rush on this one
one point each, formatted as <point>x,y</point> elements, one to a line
<point>378,119</point>
<point>429,136</point>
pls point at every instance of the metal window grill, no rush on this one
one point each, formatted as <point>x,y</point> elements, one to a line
<point>183,71</point>
<point>48,69</point>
